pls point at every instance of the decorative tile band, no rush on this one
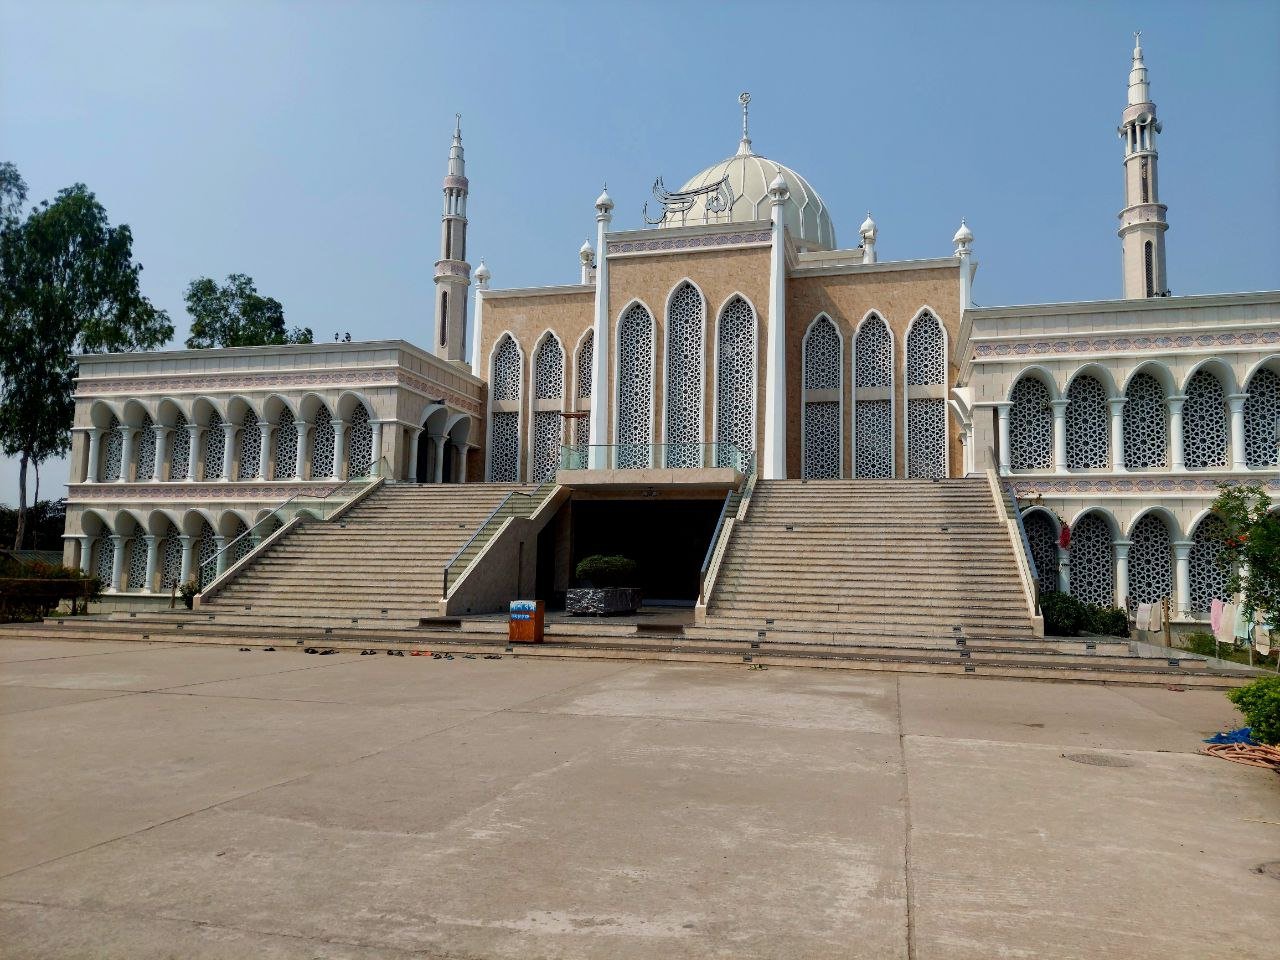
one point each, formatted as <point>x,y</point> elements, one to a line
<point>1203,486</point>
<point>690,243</point>
<point>1035,348</point>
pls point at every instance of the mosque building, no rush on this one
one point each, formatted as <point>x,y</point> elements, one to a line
<point>731,337</point>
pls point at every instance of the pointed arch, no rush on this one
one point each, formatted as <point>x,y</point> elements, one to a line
<point>926,446</point>
<point>737,339</point>
<point>1261,414</point>
<point>546,384</point>
<point>584,356</point>
<point>634,386</point>
<point>506,363</point>
<point>684,384</point>
<point>1093,557</point>
<point>821,433</point>
<point>873,401</point>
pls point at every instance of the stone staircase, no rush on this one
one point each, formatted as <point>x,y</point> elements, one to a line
<point>382,561</point>
<point>847,561</point>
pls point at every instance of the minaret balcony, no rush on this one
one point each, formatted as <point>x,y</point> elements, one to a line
<point>455,182</point>
<point>453,268</point>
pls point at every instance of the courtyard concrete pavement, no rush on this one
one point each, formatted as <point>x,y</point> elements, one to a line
<point>198,802</point>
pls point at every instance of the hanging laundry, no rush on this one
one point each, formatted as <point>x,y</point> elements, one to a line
<point>1157,617</point>
<point>1226,624</point>
<point>1142,619</point>
<point>1215,616</point>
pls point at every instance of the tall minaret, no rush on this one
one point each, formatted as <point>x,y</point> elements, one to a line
<point>453,273</point>
<point>1142,223</point>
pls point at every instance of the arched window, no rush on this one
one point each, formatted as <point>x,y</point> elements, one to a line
<point>1146,426</point>
<point>504,425</point>
<point>1261,413</point>
<point>582,386</point>
<point>284,458</point>
<point>106,558</point>
<point>136,568</point>
<point>1030,425</point>
<point>146,449</point>
<point>873,399</point>
<point>322,447</point>
<point>634,425</point>
<point>1088,424</point>
<point>1092,561</point>
<point>359,442</point>
<point>171,558</point>
<point>180,450</point>
<point>112,451</point>
<point>249,447</point>
<point>1042,535</point>
<point>215,438</point>
<point>926,414</point>
<point>823,371</point>
<point>1207,576</point>
<point>548,384</point>
<point>206,549</point>
<point>1150,561</point>
<point>684,381</point>
<point>238,544</point>
<point>735,383</point>
<point>1204,422</point>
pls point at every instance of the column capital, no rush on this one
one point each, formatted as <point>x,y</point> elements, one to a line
<point>118,539</point>
<point>1121,545</point>
<point>1176,401</point>
<point>1236,401</point>
<point>1004,406</point>
<point>1117,403</point>
<point>338,424</point>
<point>1182,549</point>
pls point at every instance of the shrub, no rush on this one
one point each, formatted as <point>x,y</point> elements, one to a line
<point>30,591</point>
<point>1260,703</point>
<point>1202,644</point>
<point>605,570</point>
<point>1106,621</point>
<point>188,592</point>
<point>1064,615</point>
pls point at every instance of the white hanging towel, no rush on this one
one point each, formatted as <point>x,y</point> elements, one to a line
<point>1226,626</point>
<point>1142,619</point>
<point>1157,617</point>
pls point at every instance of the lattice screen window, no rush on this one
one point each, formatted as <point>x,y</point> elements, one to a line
<point>546,445</point>
<point>137,574</point>
<point>548,370</point>
<point>206,548</point>
<point>171,558</point>
<point>822,440</point>
<point>215,439</point>
<point>1093,568</point>
<point>585,350</point>
<point>180,450</point>
<point>146,449</point>
<point>241,547</point>
<point>735,382</point>
<point>322,445</point>
<point>1146,426</point>
<point>873,419</point>
<point>1150,561</point>
<point>112,451</point>
<point>1088,424</point>
<point>505,380</point>
<point>504,448</point>
<point>249,446</point>
<point>927,438</point>
<point>684,383</point>
<point>359,442</point>
<point>1204,422</point>
<point>1208,578</point>
<point>106,558</point>
<point>285,456</point>
<point>926,356</point>
<point>635,387</point>
<point>822,356</point>
<point>1042,536</point>
<point>1261,414</point>
<point>1030,426</point>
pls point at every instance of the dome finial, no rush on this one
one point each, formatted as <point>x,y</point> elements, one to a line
<point>744,145</point>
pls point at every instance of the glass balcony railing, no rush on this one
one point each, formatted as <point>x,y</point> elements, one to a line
<point>651,456</point>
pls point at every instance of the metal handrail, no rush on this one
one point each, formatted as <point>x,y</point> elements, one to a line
<point>444,592</point>
<point>365,475</point>
<point>1011,503</point>
<point>715,536</point>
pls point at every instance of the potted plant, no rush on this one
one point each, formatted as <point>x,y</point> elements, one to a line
<point>603,589</point>
<point>188,592</point>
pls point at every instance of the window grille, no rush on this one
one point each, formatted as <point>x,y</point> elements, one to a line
<point>873,419</point>
<point>1204,422</point>
<point>146,449</point>
<point>1030,426</point>
<point>1088,424</point>
<point>1146,426</point>
<point>504,449</point>
<point>322,444</point>
<point>1092,561</point>
<point>180,450</point>
<point>285,456</point>
<point>1262,419</point>
<point>684,382</point>
<point>112,451</point>
<point>359,441</point>
<point>249,446</point>
<point>1208,577</point>
<point>635,387</point>
<point>1042,536</point>
<point>215,438</point>
<point>1150,561</point>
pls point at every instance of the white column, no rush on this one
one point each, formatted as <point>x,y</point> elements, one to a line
<point>1122,571</point>
<point>411,469</point>
<point>375,446</point>
<point>91,473</point>
<point>188,554</point>
<point>1064,569</point>
<point>220,543</point>
<point>264,450</point>
<point>1059,435</point>
<point>1177,459</point>
<point>162,452</point>
<point>195,450</point>
<point>600,382</point>
<point>1182,576</point>
<point>437,441</point>
<point>153,558</point>
<point>339,447</point>
<point>86,552</point>
<point>127,435</point>
<point>462,462</point>
<point>117,562</point>
<point>303,429</point>
<point>1117,434</point>
<point>229,431</point>
<point>1002,411</point>
<point>1235,402</point>
<point>775,381</point>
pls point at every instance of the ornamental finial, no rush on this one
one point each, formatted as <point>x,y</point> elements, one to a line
<point>744,146</point>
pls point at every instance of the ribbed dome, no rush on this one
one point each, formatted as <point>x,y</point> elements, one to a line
<point>749,178</point>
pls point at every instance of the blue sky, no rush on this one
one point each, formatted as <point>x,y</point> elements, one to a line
<point>303,143</point>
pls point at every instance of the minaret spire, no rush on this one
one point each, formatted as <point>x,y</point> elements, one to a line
<point>744,145</point>
<point>1142,221</point>
<point>453,273</point>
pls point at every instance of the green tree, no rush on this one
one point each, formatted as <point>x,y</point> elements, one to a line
<point>236,315</point>
<point>1250,546</point>
<point>68,286</point>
